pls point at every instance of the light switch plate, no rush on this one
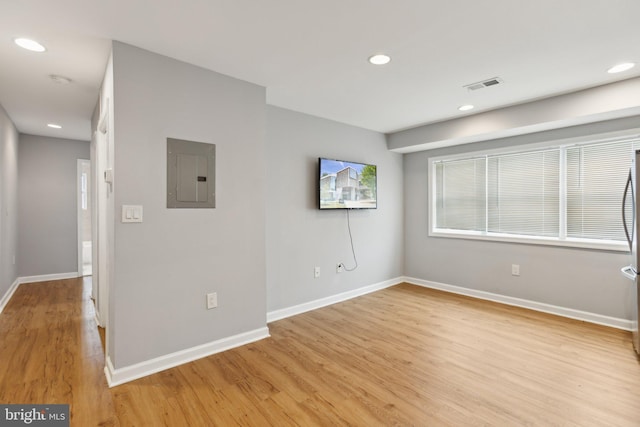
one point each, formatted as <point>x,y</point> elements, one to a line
<point>108,176</point>
<point>131,213</point>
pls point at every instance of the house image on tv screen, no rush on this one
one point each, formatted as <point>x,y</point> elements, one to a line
<point>347,185</point>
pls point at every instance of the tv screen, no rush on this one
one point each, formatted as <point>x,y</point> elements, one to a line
<point>347,185</point>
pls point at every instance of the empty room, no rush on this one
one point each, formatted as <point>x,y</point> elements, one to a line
<point>319,213</point>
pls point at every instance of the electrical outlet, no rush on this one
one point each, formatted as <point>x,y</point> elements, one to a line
<point>340,268</point>
<point>316,272</point>
<point>515,269</point>
<point>212,300</point>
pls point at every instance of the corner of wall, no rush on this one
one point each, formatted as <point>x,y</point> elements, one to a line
<point>9,146</point>
<point>7,296</point>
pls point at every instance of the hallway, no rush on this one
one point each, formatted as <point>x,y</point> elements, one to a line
<point>51,352</point>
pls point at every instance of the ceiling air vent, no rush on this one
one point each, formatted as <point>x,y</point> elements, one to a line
<point>485,83</point>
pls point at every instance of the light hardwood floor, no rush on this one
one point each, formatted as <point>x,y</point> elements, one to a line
<point>401,356</point>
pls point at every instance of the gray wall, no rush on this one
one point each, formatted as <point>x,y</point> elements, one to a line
<point>166,265</point>
<point>8,202</point>
<point>300,237</point>
<point>580,279</point>
<point>47,235</point>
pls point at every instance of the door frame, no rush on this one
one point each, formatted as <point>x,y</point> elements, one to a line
<point>102,242</point>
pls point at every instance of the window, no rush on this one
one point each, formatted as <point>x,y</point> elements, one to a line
<point>523,193</point>
<point>84,191</point>
<point>562,195</point>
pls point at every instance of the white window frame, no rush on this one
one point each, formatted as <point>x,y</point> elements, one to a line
<point>563,144</point>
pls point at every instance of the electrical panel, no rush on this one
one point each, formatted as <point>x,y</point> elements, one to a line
<point>190,174</point>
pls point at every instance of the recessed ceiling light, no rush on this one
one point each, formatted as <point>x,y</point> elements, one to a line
<point>379,59</point>
<point>465,107</point>
<point>60,79</point>
<point>54,126</point>
<point>29,44</point>
<point>621,67</point>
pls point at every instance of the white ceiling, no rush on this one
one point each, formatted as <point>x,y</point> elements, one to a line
<point>312,55</point>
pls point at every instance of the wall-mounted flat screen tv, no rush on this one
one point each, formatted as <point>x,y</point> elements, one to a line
<point>347,185</point>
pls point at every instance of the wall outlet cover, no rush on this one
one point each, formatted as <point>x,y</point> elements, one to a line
<point>515,269</point>
<point>212,300</point>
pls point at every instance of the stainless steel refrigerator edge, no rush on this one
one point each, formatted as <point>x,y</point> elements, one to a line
<point>630,218</point>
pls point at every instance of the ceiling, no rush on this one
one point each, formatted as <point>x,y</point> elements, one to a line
<point>312,55</point>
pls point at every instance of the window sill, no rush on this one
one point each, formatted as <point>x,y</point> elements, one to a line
<point>603,245</point>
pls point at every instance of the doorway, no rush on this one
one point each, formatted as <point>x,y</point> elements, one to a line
<point>85,262</point>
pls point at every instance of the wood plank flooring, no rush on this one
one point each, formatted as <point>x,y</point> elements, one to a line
<point>401,356</point>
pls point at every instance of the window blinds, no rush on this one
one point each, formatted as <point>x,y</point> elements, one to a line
<point>524,193</point>
<point>596,175</point>
<point>460,194</point>
<point>562,192</point>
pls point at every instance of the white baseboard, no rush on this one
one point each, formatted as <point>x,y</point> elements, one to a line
<point>48,277</point>
<point>272,316</point>
<point>133,372</point>
<point>532,305</point>
<point>7,296</point>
